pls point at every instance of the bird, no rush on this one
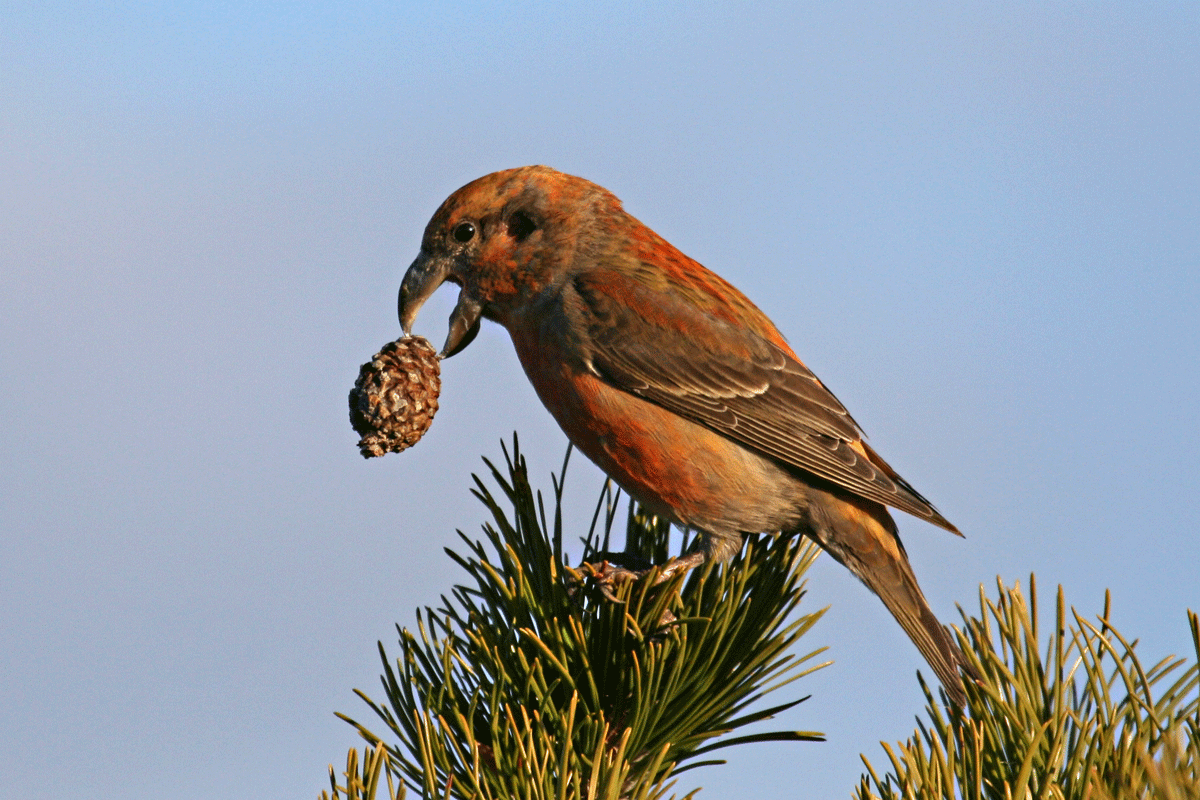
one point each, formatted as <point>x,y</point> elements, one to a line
<point>673,382</point>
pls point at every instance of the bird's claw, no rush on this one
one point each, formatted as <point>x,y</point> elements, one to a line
<point>605,575</point>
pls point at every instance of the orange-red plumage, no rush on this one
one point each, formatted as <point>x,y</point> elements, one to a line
<point>672,381</point>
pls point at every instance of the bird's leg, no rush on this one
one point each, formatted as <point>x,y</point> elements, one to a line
<point>614,568</point>
<point>695,557</point>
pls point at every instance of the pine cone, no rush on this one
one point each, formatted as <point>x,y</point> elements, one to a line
<point>395,397</point>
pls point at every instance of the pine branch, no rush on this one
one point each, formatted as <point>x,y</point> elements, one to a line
<point>526,684</point>
<point>1087,720</point>
<point>363,775</point>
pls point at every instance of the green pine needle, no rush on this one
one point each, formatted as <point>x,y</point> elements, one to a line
<point>526,683</point>
<point>1084,719</point>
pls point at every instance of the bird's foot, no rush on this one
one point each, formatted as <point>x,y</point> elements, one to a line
<point>611,570</point>
<point>606,576</point>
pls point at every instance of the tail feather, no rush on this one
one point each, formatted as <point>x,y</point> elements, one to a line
<point>862,536</point>
<point>932,640</point>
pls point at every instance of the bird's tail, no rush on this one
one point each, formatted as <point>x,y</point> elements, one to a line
<point>934,641</point>
<point>864,540</point>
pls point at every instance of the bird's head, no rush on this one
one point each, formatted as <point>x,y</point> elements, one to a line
<point>504,238</point>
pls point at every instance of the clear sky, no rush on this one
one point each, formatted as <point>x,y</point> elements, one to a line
<point>978,223</point>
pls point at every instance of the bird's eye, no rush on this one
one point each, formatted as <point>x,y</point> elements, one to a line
<point>464,232</point>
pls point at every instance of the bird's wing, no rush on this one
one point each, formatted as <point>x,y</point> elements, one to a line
<point>723,376</point>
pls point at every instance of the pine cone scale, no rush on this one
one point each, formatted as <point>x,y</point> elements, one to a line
<point>395,397</point>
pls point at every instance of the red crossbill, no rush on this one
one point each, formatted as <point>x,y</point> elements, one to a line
<point>672,382</point>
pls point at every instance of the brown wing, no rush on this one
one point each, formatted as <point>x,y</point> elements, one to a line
<point>733,381</point>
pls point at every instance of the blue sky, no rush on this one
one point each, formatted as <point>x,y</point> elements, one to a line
<point>979,224</point>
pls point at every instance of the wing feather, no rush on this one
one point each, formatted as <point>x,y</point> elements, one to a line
<point>723,376</point>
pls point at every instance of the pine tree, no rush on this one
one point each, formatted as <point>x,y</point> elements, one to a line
<point>1079,717</point>
<point>528,683</point>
